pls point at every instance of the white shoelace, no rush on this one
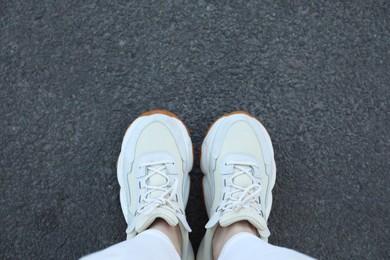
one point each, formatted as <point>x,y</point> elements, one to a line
<point>245,196</point>
<point>242,193</point>
<point>168,195</point>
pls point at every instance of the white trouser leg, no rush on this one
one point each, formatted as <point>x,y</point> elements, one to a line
<point>149,245</point>
<point>249,247</point>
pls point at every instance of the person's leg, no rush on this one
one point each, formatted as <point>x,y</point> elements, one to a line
<point>245,245</point>
<point>239,175</point>
<point>150,244</point>
<point>153,172</point>
<point>172,232</point>
<point>224,234</point>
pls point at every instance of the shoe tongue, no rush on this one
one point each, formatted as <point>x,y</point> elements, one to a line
<point>242,180</point>
<point>143,222</point>
<point>157,180</point>
<point>230,217</point>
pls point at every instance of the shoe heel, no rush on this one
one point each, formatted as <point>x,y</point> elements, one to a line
<point>190,253</point>
<point>200,254</point>
<point>204,252</point>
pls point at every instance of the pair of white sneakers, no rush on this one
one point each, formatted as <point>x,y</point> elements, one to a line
<point>153,172</point>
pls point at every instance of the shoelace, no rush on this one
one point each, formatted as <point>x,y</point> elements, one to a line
<point>248,195</point>
<point>169,189</point>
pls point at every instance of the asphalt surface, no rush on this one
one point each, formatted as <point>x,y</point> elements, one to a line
<point>74,74</point>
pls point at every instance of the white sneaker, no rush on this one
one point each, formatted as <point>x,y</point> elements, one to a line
<point>239,173</point>
<point>153,173</point>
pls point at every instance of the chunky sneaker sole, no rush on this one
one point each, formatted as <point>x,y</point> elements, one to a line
<point>239,174</point>
<point>153,173</point>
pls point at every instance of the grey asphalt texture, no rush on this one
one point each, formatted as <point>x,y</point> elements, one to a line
<point>74,74</point>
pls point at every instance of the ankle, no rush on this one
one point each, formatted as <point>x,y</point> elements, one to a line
<point>173,232</point>
<point>223,234</point>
